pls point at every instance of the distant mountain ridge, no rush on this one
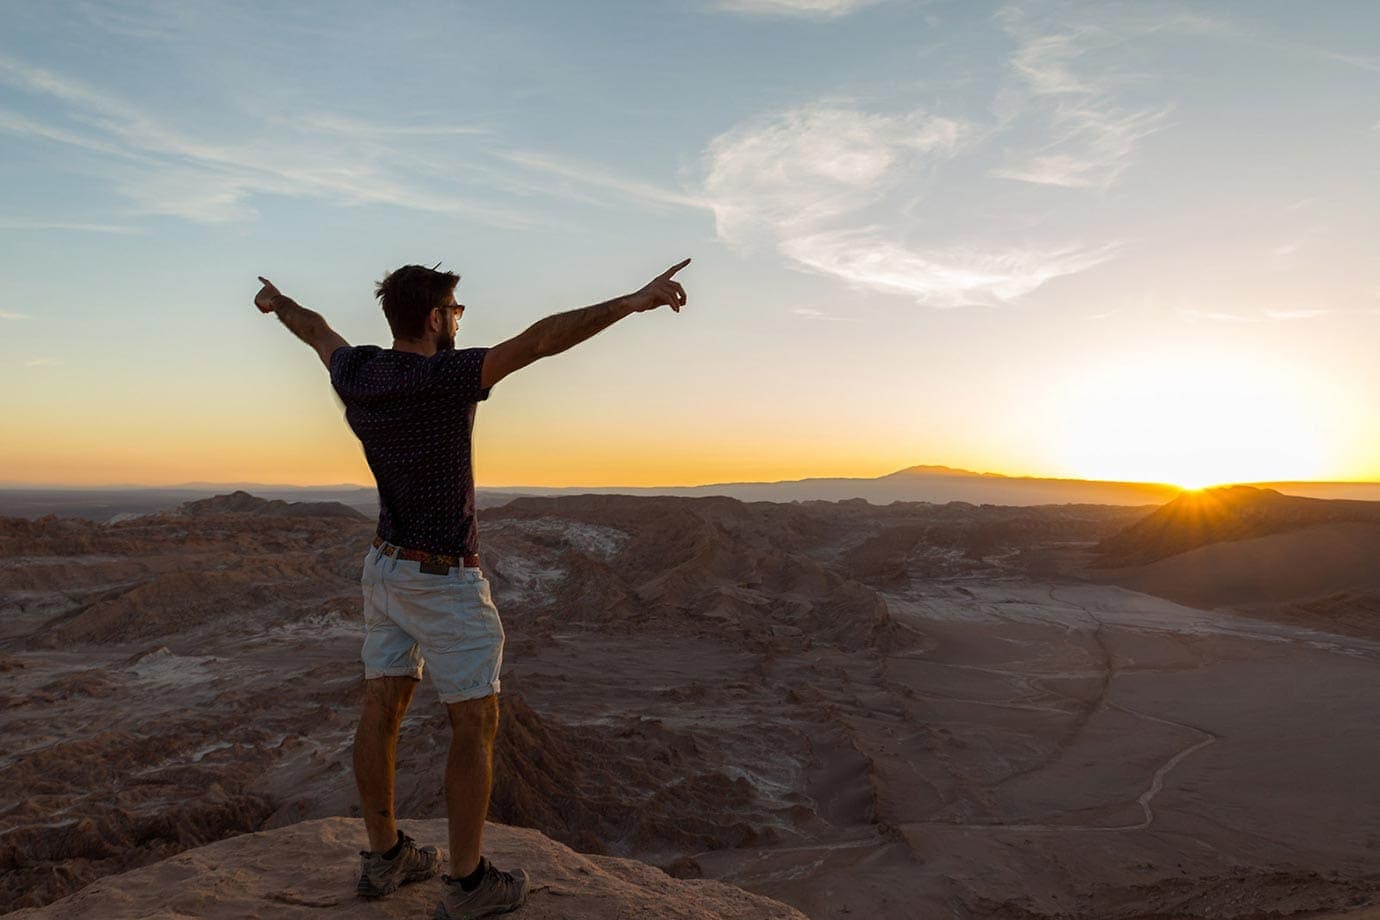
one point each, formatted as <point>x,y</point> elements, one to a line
<point>243,503</point>
<point>923,483</point>
<point>933,484</point>
<point>941,484</point>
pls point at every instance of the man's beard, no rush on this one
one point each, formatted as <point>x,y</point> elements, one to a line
<point>445,339</point>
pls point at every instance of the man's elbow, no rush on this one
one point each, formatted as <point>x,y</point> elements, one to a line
<point>531,345</point>
<point>307,326</point>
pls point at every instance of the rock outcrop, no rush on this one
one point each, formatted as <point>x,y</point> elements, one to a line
<point>305,869</point>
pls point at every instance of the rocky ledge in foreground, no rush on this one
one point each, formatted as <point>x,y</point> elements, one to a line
<point>297,871</point>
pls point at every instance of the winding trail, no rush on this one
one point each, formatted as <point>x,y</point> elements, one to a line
<point>1108,671</point>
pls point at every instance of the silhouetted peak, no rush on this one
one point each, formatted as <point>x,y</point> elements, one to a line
<point>932,470</point>
<point>1221,514</point>
<point>241,502</point>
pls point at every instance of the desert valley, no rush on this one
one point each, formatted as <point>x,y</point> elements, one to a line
<point>890,711</point>
<point>925,458</point>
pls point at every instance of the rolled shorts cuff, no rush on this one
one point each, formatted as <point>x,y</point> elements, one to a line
<point>471,693</point>
<point>374,673</point>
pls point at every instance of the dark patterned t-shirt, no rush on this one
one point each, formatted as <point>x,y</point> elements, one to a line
<point>414,415</point>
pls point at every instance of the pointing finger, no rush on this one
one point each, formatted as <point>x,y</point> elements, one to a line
<point>673,269</point>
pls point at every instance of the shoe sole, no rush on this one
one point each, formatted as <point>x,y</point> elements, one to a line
<point>370,892</point>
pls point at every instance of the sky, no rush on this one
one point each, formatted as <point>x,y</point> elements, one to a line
<point>1126,241</point>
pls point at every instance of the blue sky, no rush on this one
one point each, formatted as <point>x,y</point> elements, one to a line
<point>922,232</point>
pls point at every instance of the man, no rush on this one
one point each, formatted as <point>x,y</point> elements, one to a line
<point>425,596</point>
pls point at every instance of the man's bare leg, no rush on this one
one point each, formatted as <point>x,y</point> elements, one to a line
<point>469,779</point>
<point>376,746</point>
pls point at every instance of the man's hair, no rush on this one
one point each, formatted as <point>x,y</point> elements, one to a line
<point>409,294</point>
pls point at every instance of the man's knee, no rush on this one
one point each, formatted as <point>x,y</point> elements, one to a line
<point>475,717</point>
<point>388,697</point>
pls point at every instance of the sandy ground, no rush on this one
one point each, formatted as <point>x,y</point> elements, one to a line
<point>1051,751</point>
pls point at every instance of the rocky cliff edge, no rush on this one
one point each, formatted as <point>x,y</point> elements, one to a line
<point>300,870</point>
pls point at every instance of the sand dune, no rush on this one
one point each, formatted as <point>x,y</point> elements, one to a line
<point>1303,564</point>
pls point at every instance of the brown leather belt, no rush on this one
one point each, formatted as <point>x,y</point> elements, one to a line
<point>425,558</point>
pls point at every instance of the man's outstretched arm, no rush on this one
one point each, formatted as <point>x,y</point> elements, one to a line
<point>307,325</point>
<point>555,334</point>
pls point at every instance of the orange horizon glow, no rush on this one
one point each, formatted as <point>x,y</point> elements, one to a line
<point>1070,258</point>
<point>1196,420</point>
<point>351,471</point>
<point>1188,420</point>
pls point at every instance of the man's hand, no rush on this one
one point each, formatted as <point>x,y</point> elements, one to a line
<point>555,334</point>
<point>266,296</point>
<point>660,291</point>
<point>307,325</point>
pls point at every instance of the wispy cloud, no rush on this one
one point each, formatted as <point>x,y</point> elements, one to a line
<point>1044,61</point>
<point>23,126</point>
<point>350,126</point>
<point>790,173</point>
<point>160,20</point>
<point>829,188</point>
<point>1284,250</point>
<point>813,314</point>
<point>1088,138</point>
<point>1268,315</point>
<point>1070,59</point>
<point>166,170</point>
<point>42,362</point>
<point>9,314</point>
<point>1300,204</point>
<point>1250,33</point>
<point>339,158</point>
<point>1215,316</point>
<point>1237,28</point>
<point>119,229</point>
<point>199,180</point>
<point>944,276</point>
<point>1286,315</point>
<point>810,9</point>
<point>600,178</point>
<point>1092,147</point>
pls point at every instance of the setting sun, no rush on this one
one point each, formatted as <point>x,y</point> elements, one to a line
<point>1194,420</point>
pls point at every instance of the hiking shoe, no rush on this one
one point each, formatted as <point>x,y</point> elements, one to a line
<point>379,876</point>
<point>497,893</point>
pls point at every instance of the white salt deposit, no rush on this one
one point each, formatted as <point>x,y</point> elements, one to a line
<point>595,539</point>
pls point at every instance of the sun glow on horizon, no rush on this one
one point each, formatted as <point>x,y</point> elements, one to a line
<point>1195,420</point>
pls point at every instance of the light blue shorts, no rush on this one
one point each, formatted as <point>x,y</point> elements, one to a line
<point>446,622</point>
